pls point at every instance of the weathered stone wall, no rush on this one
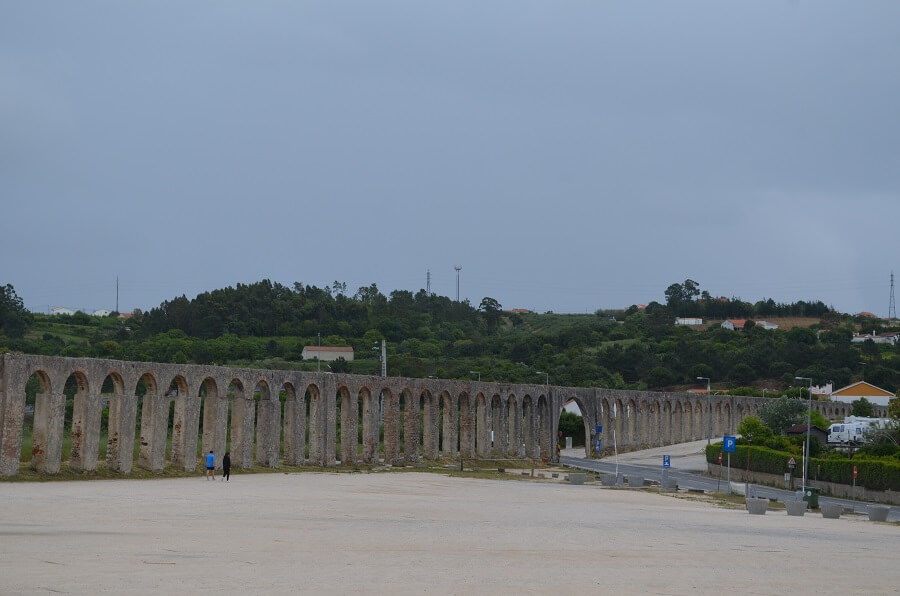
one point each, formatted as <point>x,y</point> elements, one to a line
<point>273,416</point>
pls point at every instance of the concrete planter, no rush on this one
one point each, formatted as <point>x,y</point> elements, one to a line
<point>576,478</point>
<point>831,510</point>
<point>757,506</point>
<point>878,512</point>
<point>796,508</point>
<point>636,481</point>
<point>608,479</point>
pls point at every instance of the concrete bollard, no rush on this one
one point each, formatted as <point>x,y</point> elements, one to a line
<point>831,510</point>
<point>668,485</point>
<point>878,512</point>
<point>576,478</point>
<point>636,481</point>
<point>757,506</point>
<point>608,479</point>
<point>796,508</point>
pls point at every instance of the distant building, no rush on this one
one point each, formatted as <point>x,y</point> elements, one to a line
<point>799,430</point>
<point>519,311</point>
<point>61,310</point>
<point>880,338</point>
<point>851,393</point>
<point>688,321</point>
<point>766,325</point>
<point>327,353</point>
<point>101,312</point>
<point>866,313</point>
<point>734,324</point>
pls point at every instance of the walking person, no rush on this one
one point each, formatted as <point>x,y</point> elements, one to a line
<point>226,467</point>
<point>210,465</point>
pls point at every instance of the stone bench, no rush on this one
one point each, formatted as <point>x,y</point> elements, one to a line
<point>878,512</point>
<point>576,478</point>
<point>797,508</point>
<point>757,506</point>
<point>831,510</point>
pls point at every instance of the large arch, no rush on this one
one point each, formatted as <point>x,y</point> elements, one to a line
<point>154,421</point>
<point>482,431</point>
<point>466,426</point>
<point>185,425</point>
<point>294,425</point>
<point>449,425</point>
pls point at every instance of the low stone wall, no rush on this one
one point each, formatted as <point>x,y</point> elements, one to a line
<point>832,489</point>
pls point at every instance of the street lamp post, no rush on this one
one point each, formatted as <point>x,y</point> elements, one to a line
<point>475,372</point>
<point>808,425</point>
<point>546,376</point>
<point>708,411</point>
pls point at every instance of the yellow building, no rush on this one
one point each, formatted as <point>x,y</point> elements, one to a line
<point>851,393</point>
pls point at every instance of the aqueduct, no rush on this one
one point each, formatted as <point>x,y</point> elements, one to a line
<point>178,411</point>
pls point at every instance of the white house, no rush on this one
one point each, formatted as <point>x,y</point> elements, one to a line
<point>688,321</point>
<point>880,338</point>
<point>766,325</point>
<point>61,310</point>
<point>327,353</point>
<point>734,324</point>
<point>101,312</point>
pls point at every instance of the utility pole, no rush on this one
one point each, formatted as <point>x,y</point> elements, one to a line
<point>458,269</point>
<point>428,282</point>
<point>117,290</point>
<point>892,306</point>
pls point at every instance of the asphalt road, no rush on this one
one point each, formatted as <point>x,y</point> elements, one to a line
<point>696,481</point>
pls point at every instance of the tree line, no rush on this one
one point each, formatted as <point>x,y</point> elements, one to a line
<point>267,324</point>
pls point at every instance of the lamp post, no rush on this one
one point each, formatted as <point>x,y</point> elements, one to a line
<point>808,424</point>
<point>546,376</point>
<point>475,372</point>
<point>708,411</point>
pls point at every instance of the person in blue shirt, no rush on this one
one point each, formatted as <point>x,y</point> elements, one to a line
<point>210,466</point>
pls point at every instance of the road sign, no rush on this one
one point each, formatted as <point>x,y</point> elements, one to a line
<point>720,458</point>
<point>599,429</point>
<point>667,462</point>
<point>854,472</point>
<point>729,444</point>
<point>791,462</point>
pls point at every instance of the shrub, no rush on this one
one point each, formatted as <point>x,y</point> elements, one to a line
<point>873,474</point>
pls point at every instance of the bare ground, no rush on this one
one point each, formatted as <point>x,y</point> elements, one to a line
<point>416,533</point>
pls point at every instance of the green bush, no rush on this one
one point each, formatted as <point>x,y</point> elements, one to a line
<point>874,474</point>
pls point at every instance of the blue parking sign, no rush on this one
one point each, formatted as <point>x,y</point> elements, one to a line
<point>667,461</point>
<point>729,444</point>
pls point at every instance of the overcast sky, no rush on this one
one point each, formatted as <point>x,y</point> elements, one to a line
<point>569,156</point>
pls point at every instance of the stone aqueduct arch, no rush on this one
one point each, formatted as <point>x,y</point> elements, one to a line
<point>295,417</point>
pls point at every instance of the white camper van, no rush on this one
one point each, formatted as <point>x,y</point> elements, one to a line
<point>853,430</point>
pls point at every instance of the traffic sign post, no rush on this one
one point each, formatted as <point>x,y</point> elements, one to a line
<point>729,446</point>
<point>854,481</point>
<point>792,463</point>
<point>719,481</point>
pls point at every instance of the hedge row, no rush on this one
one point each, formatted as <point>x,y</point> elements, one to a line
<point>872,474</point>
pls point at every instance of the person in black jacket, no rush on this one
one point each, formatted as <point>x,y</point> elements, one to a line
<point>226,467</point>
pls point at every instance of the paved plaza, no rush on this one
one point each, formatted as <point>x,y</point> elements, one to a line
<point>414,533</point>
